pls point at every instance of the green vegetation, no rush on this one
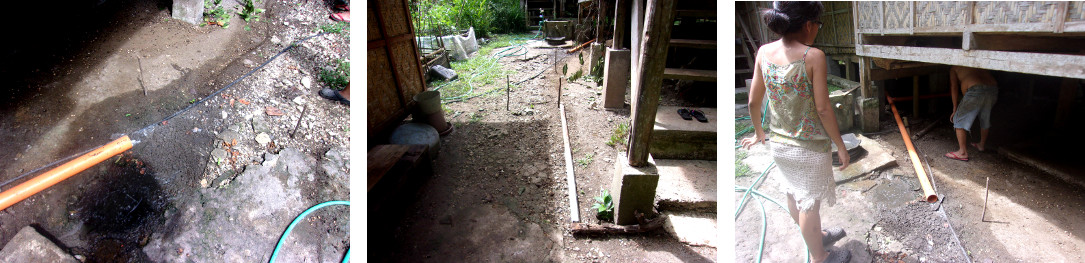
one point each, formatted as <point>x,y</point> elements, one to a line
<point>339,78</point>
<point>215,13</point>
<point>336,28</point>
<point>604,206</point>
<point>741,169</point>
<point>479,71</point>
<point>586,160</point>
<point>475,117</point>
<point>618,137</point>
<point>486,16</point>
<point>249,11</point>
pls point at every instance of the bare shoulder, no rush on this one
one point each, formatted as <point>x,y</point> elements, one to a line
<point>815,55</point>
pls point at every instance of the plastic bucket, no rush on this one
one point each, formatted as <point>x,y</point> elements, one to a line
<point>429,102</point>
<point>418,133</point>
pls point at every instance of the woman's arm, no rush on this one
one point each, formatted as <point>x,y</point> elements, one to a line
<point>757,97</point>
<point>815,62</point>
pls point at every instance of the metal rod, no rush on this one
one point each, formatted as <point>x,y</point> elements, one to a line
<point>986,192</point>
<point>508,92</point>
<point>559,90</point>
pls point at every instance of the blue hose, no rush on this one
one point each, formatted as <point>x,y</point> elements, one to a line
<point>282,239</point>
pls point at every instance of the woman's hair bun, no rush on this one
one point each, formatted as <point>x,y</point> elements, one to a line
<point>788,16</point>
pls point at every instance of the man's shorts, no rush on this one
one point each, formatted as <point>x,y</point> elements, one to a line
<point>976,102</point>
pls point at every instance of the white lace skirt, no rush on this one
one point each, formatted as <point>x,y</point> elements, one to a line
<point>807,175</point>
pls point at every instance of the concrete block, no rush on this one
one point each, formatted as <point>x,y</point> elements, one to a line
<point>877,157</point>
<point>190,11</point>
<point>677,138</point>
<point>595,55</point>
<point>633,190</point>
<point>30,246</point>
<point>615,78</point>
<point>686,185</point>
<point>869,110</point>
<point>698,229</point>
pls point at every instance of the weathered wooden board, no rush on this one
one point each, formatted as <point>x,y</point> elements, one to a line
<point>1058,65</point>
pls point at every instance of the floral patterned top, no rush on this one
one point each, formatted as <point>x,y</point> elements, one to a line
<point>794,118</point>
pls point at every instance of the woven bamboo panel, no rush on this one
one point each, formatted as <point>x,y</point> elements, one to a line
<point>941,13</point>
<point>394,18</point>
<point>372,26</point>
<point>837,30</point>
<point>870,15</point>
<point>1014,12</point>
<point>898,15</point>
<point>382,100</point>
<point>406,67</point>
<point>1076,12</point>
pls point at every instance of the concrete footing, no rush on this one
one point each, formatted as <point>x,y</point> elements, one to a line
<point>615,78</point>
<point>190,11</point>
<point>30,246</point>
<point>633,190</point>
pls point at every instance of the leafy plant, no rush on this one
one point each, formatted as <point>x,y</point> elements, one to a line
<point>249,11</point>
<point>215,13</point>
<point>618,137</point>
<point>475,117</point>
<point>338,78</point>
<point>604,206</point>
<point>433,17</point>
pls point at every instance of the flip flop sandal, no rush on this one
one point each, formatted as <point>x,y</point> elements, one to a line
<point>834,234</point>
<point>686,115</point>
<point>343,16</point>
<point>699,115</point>
<point>954,156</point>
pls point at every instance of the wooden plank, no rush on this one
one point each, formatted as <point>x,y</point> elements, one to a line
<point>621,22</point>
<point>1057,65</point>
<point>883,74</point>
<point>570,179</point>
<point>1073,26</point>
<point>380,159</point>
<point>1061,9</point>
<point>587,229</point>
<point>690,74</point>
<point>636,29</point>
<point>694,43</point>
<point>659,17</point>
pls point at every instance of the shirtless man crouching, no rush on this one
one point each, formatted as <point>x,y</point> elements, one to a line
<point>980,93</point>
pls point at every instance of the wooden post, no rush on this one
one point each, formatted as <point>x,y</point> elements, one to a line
<point>1067,92</point>
<point>915,96</point>
<point>636,28</point>
<point>659,18</point>
<point>621,7</point>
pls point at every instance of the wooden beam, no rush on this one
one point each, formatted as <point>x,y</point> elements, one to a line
<point>1057,65</point>
<point>659,19</point>
<point>621,10</point>
<point>1067,94</point>
<point>690,74</point>
<point>636,28</point>
<point>694,43</point>
<point>884,74</point>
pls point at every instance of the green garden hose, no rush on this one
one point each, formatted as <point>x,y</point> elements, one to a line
<point>282,239</point>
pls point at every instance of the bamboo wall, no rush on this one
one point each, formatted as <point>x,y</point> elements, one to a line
<point>942,17</point>
<point>393,66</point>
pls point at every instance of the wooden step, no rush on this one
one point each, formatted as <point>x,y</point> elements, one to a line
<point>690,74</point>
<point>696,13</point>
<point>694,43</point>
<point>676,138</point>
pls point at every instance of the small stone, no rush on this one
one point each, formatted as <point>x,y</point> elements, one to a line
<point>299,100</point>
<point>224,114</point>
<point>259,125</point>
<point>248,63</point>
<point>229,135</point>
<point>275,39</point>
<point>307,82</point>
<point>218,154</point>
<point>263,138</point>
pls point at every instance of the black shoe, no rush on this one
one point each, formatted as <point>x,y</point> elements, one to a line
<point>334,96</point>
<point>699,115</point>
<point>685,114</point>
<point>834,234</point>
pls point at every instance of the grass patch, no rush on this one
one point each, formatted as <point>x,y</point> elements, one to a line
<point>476,117</point>
<point>479,72</point>
<point>587,160</point>
<point>336,28</point>
<point>741,169</point>
<point>618,137</point>
<point>338,78</point>
<point>742,128</point>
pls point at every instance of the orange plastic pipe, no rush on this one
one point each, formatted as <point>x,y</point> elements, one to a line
<point>928,192</point>
<point>58,174</point>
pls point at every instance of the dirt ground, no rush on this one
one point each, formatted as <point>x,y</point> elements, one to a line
<point>499,192</point>
<point>1030,216</point>
<point>117,66</point>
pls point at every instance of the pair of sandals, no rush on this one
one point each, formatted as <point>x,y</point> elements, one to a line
<point>688,114</point>
<point>343,9</point>
<point>835,254</point>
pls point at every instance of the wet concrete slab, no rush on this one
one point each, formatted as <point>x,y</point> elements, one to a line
<point>30,246</point>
